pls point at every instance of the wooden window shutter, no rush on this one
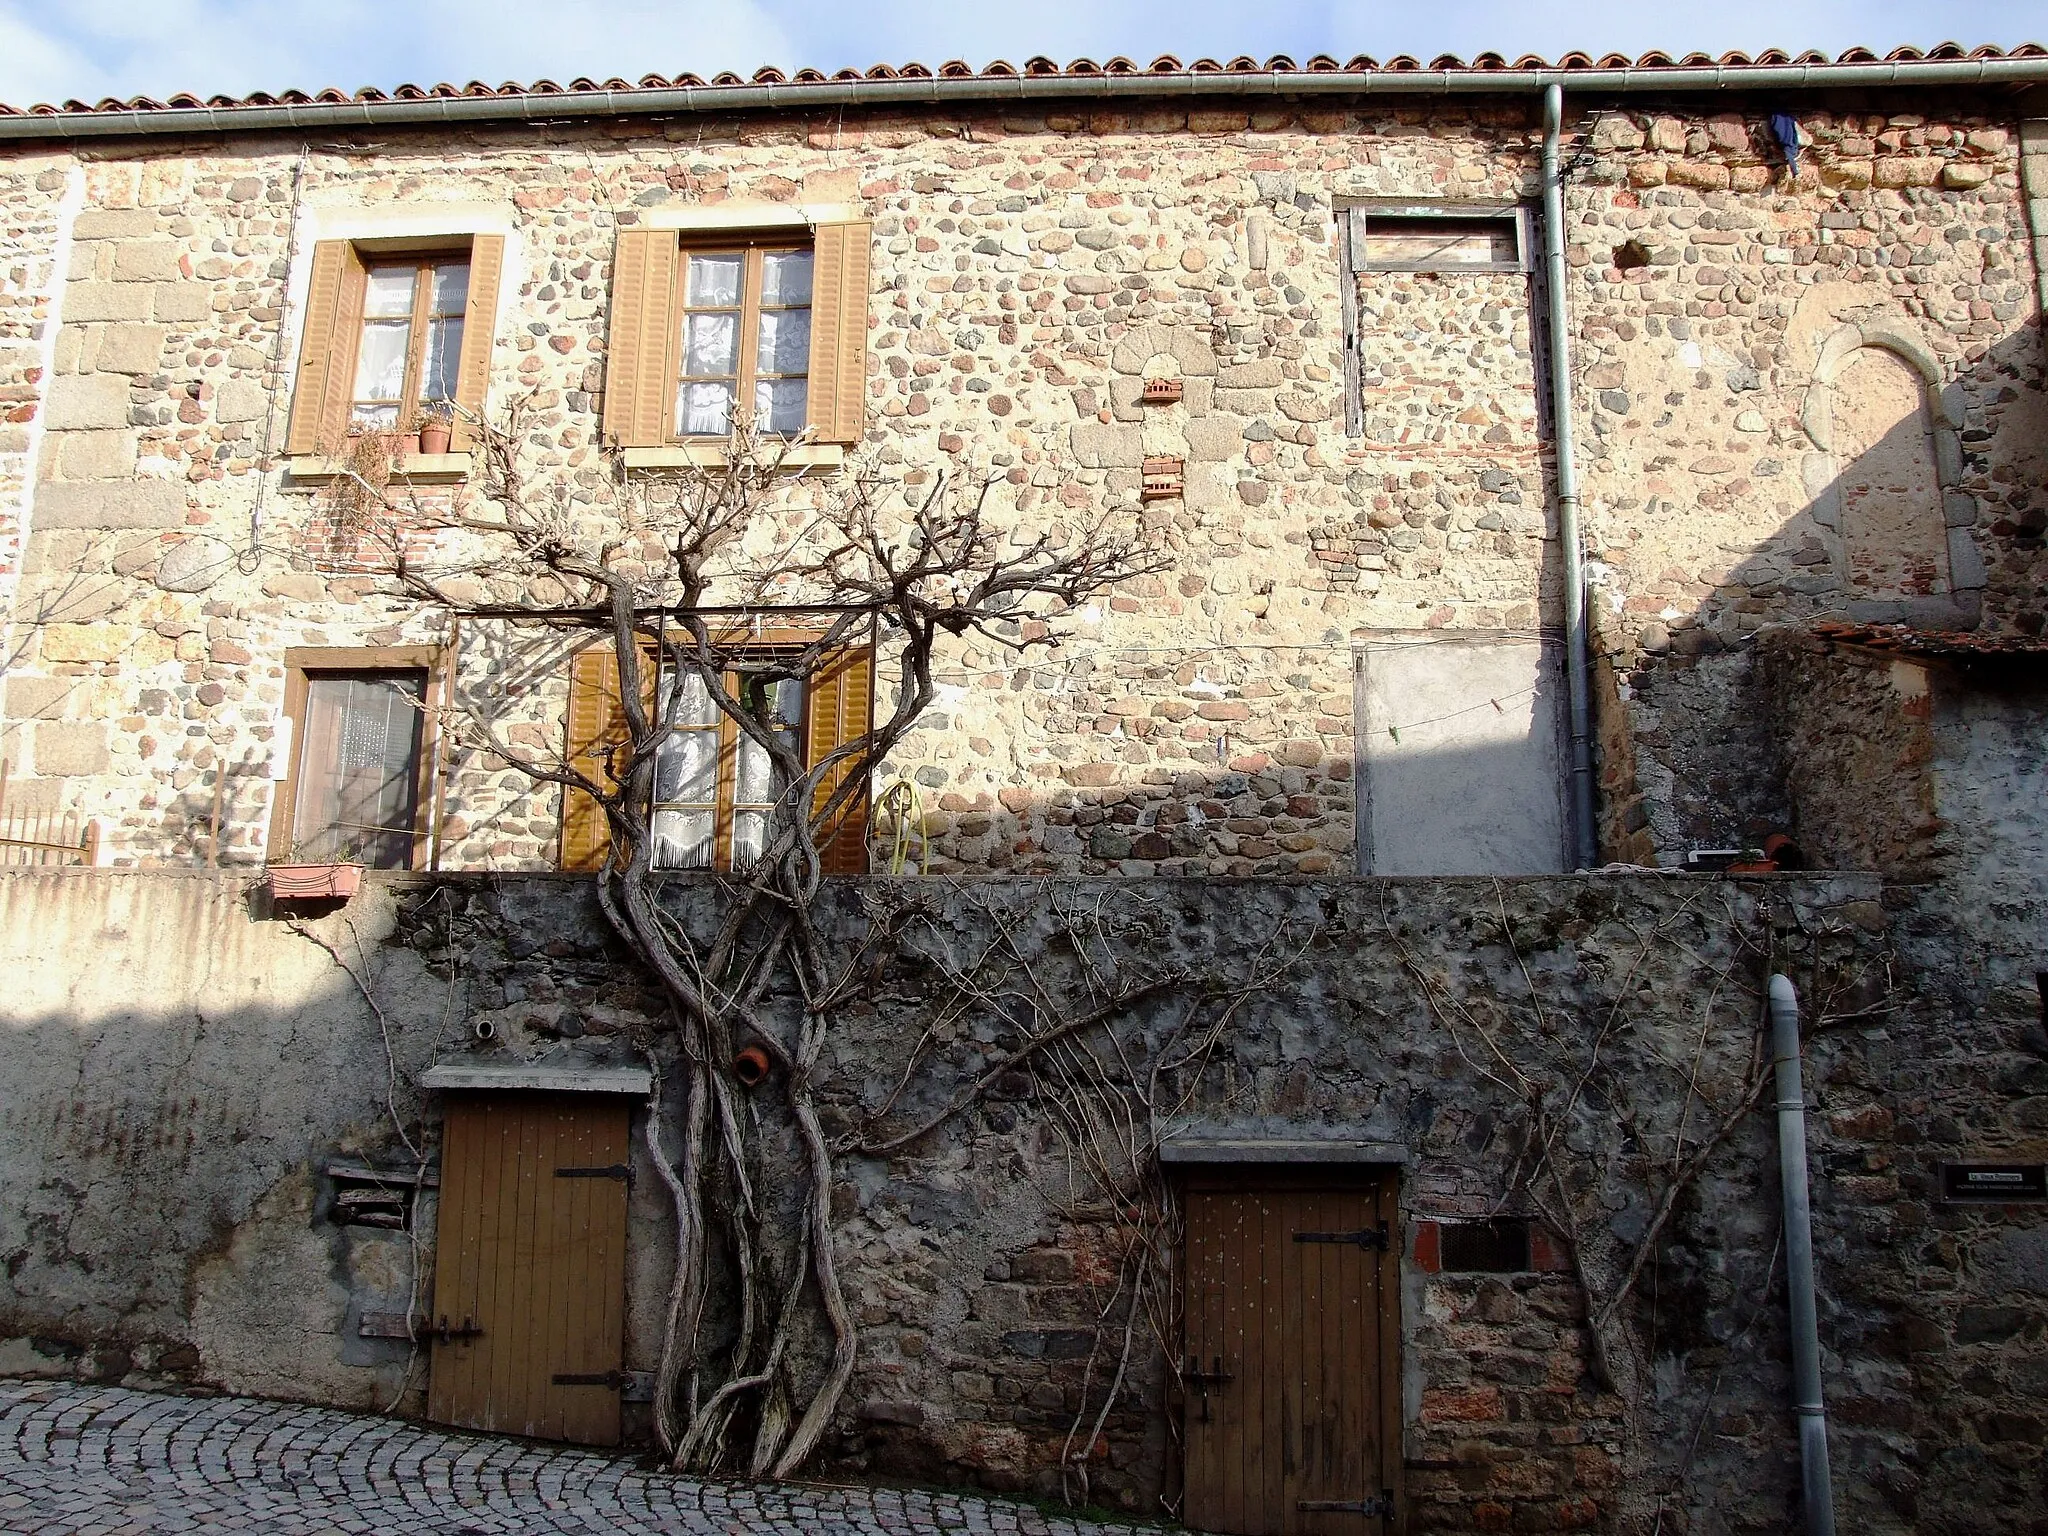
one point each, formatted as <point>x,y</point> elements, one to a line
<point>839,332</point>
<point>840,708</point>
<point>327,350</point>
<point>479,326</point>
<point>597,726</point>
<point>639,379</point>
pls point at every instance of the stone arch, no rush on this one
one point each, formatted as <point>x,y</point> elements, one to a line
<point>1883,478</point>
<point>1137,346</point>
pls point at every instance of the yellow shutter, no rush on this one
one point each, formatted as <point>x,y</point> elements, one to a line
<point>327,350</point>
<point>639,376</point>
<point>479,325</point>
<point>840,706</point>
<point>839,333</point>
<point>597,725</point>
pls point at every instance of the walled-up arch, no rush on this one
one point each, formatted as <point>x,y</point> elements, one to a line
<point>1884,479</point>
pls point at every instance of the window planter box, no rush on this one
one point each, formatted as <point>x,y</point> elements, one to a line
<point>314,882</point>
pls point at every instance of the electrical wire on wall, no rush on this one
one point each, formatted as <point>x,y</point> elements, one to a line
<point>251,557</point>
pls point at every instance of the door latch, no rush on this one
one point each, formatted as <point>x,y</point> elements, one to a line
<point>1365,1237</point>
<point>1202,1380</point>
<point>619,1171</point>
<point>1382,1506</point>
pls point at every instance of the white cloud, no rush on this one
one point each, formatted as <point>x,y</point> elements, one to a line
<point>93,48</point>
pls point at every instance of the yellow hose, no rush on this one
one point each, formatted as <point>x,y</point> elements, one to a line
<point>905,808</point>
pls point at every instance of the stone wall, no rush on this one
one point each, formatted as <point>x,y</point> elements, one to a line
<point>1030,272</point>
<point>33,187</point>
<point>167,1216</point>
<point>1855,737</point>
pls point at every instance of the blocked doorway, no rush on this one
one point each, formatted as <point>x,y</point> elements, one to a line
<point>1291,1357</point>
<point>528,1317</point>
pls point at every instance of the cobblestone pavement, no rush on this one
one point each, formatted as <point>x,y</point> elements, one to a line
<point>109,1462</point>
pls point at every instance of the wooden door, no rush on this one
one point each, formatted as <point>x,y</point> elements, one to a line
<point>1291,1359</point>
<point>530,1265</point>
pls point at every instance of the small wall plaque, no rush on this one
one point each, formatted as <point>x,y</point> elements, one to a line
<point>1161,391</point>
<point>1994,1183</point>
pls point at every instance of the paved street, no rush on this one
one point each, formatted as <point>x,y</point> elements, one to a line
<point>100,1460</point>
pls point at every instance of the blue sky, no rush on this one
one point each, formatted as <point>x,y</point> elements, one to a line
<point>95,48</point>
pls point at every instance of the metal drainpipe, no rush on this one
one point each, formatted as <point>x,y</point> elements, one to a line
<point>1818,1490</point>
<point>1577,651</point>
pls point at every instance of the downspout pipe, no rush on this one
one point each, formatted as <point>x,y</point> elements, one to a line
<point>1816,1487</point>
<point>1578,649</point>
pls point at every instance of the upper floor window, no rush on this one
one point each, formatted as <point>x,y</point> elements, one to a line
<point>709,329</point>
<point>746,336</point>
<point>391,326</point>
<point>1437,237</point>
<point>411,349</point>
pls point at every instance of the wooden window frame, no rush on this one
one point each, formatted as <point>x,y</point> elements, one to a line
<point>422,261</point>
<point>330,340</point>
<point>765,641</point>
<point>754,246</point>
<point>725,806</point>
<point>301,665</point>
<point>1359,217</point>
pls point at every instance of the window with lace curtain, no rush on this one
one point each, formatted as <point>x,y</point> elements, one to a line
<point>716,790</point>
<point>356,786</point>
<point>746,337</point>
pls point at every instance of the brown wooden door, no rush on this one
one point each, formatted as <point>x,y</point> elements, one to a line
<point>531,1255</point>
<point>1291,1357</point>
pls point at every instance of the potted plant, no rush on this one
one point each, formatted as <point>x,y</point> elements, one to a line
<point>437,427</point>
<point>408,440</point>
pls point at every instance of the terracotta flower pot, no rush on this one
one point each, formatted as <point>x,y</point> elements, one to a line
<point>314,882</point>
<point>434,437</point>
<point>408,444</point>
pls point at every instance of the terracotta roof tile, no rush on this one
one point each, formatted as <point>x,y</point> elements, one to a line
<point>1041,68</point>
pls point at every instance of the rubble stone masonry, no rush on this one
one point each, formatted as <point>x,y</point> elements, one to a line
<point>1769,364</point>
<point>170,1216</point>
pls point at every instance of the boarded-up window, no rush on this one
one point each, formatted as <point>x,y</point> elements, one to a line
<point>1461,764</point>
<point>1425,237</point>
<point>715,788</point>
<point>706,328</point>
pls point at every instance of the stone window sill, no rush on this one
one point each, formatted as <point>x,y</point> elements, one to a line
<point>419,468</point>
<point>808,459</point>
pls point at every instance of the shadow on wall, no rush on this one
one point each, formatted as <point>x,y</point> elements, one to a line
<point>1901,515</point>
<point>165,1200</point>
<point>159,1132</point>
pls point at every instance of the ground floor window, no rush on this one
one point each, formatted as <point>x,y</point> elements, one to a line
<point>356,788</point>
<point>715,787</point>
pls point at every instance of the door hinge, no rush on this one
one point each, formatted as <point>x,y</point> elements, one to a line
<point>441,1332</point>
<point>616,1380</point>
<point>1365,1237</point>
<point>619,1171</point>
<point>1382,1506</point>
